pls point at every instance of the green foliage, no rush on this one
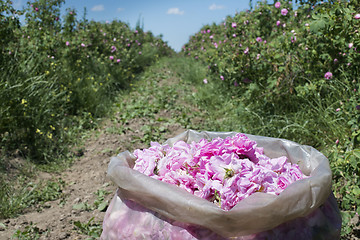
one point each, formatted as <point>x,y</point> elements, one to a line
<point>9,22</point>
<point>59,75</point>
<point>91,228</point>
<point>31,232</point>
<point>100,203</point>
<point>273,62</point>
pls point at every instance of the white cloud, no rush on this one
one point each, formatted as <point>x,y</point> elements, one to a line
<point>98,8</point>
<point>216,7</point>
<point>175,11</point>
<point>120,9</point>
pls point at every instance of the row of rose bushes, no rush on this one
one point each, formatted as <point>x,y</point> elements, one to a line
<point>284,52</point>
<point>59,73</point>
<point>299,63</point>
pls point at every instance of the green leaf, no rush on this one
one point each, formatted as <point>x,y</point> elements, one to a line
<point>102,206</point>
<point>353,161</point>
<point>356,190</point>
<point>345,215</point>
<point>78,224</point>
<point>356,153</point>
<point>353,158</point>
<point>79,206</point>
<point>277,56</point>
<point>317,25</point>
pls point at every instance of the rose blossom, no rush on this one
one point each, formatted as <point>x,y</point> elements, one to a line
<point>328,75</point>
<point>284,11</point>
<point>246,51</point>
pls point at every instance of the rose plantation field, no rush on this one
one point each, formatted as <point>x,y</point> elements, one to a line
<point>67,84</point>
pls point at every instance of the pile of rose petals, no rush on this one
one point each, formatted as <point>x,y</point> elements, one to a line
<point>223,171</point>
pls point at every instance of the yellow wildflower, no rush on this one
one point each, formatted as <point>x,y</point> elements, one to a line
<point>49,135</point>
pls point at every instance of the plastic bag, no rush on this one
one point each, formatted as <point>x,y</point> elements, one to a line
<point>145,208</point>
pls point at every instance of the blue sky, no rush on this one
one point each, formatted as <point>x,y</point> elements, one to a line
<point>176,20</point>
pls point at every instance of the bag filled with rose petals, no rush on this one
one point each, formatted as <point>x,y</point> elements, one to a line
<point>222,185</point>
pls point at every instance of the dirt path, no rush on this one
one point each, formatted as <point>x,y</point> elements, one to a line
<point>64,218</point>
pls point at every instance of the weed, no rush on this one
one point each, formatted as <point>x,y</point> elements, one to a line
<point>31,232</point>
<point>99,204</point>
<point>91,228</point>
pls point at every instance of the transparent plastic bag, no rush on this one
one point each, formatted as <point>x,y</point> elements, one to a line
<point>145,208</point>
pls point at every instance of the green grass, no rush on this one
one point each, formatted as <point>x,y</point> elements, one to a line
<point>23,194</point>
